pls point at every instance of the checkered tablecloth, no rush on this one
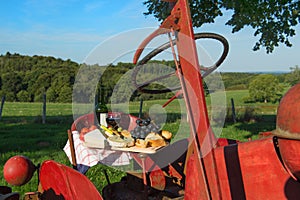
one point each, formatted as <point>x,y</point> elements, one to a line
<point>93,156</point>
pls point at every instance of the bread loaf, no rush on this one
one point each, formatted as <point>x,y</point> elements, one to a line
<point>140,143</point>
<point>157,143</point>
<point>155,140</point>
<point>166,134</point>
<point>125,133</point>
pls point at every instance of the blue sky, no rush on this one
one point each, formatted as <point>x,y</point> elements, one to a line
<point>71,29</point>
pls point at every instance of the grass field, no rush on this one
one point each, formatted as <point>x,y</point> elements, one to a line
<point>22,132</point>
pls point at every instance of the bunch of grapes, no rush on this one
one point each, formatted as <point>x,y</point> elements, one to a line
<point>143,128</point>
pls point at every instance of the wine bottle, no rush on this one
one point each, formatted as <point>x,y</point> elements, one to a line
<point>102,113</point>
<point>101,108</point>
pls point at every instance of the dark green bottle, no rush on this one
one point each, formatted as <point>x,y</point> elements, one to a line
<point>102,112</point>
<point>101,108</point>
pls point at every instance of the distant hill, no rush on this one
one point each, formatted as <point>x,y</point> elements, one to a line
<point>27,78</point>
<point>272,72</point>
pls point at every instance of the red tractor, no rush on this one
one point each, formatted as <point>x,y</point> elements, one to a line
<point>202,166</point>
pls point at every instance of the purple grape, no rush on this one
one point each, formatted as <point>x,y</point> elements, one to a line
<point>143,135</point>
<point>138,121</point>
<point>147,130</point>
<point>146,123</point>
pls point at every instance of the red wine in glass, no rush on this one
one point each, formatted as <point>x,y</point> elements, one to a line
<point>113,118</point>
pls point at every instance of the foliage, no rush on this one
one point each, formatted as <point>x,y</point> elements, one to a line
<point>213,83</point>
<point>23,96</point>
<point>22,135</point>
<point>273,21</point>
<point>294,77</point>
<point>237,80</point>
<point>51,95</point>
<point>28,78</point>
<point>64,94</point>
<point>34,75</point>
<point>265,88</point>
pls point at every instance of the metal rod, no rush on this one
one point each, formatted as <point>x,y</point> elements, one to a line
<point>44,109</point>
<point>141,108</point>
<point>2,104</point>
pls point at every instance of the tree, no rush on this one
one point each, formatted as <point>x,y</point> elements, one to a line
<point>23,96</point>
<point>65,94</point>
<point>265,88</point>
<point>9,96</point>
<point>12,83</point>
<point>294,77</point>
<point>51,95</point>
<point>272,20</point>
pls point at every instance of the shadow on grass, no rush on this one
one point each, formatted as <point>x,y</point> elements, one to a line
<point>29,134</point>
<point>39,142</point>
<point>253,128</point>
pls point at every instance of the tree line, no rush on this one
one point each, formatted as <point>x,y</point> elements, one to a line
<point>27,78</point>
<point>263,87</point>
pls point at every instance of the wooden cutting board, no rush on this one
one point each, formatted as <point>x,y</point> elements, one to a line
<point>148,150</point>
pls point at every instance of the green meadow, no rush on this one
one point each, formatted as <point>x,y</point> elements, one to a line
<point>23,133</point>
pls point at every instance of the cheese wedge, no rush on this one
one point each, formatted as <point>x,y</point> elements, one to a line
<point>95,139</point>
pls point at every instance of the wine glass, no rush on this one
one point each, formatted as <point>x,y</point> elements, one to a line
<point>113,118</point>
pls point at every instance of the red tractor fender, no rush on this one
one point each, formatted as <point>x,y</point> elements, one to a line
<point>60,181</point>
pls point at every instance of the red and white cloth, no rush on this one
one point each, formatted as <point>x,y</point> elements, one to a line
<point>93,156</point>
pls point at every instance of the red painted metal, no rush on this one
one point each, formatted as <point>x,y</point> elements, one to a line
<point>290,151</point>
<point>61,182</point>
<point>288,117</point>
<point>18,170</point>
<point>202,138</point>
<point>83,121</point>
<point>254,170</point>
<point>250,170</point>
<point>221,170</point>
<point>267,168</point>
<point>87,120</point>
<point>288,129</point>
<point>157,179</point>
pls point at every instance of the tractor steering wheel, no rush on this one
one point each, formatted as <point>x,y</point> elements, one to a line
<point>204,70</point>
